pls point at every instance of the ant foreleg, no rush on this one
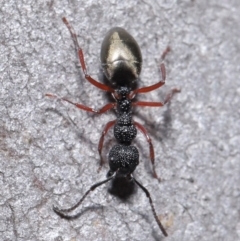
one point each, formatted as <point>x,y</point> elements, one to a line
<point>157,104</point>
<point>82,61</point>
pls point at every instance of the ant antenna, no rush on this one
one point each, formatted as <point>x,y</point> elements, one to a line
<point>153,208</point>
<point>92,188</point>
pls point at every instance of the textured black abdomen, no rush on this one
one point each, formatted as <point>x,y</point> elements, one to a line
<point>123,158</point>
<point>125,134</point>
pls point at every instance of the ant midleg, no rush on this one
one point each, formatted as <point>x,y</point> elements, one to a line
<point>148,103</point>
<point>84,107</point>
<point>157,104</point>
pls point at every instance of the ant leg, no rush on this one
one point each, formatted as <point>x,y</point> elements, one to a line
<point>165,52</point>
<point>151,87</point>
<point>157,104</point>
<point>152,155</point>
<point>153,209</point>
<point>82,61</point>
<point>84,107</point>
<point>171,94</point>
<point>92,188</point>
<point>100,144</point>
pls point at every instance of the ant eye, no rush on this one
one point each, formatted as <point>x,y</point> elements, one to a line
<point>121,61</point>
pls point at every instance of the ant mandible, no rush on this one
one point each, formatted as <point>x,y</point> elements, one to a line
<point>121,62</point>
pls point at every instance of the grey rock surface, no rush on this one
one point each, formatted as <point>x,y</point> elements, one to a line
<point>48,149</point>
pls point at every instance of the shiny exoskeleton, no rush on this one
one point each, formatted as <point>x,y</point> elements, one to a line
<point>121,58</point>
<point>121,62</point>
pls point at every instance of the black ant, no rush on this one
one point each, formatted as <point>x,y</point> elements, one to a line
<point>121,62</point>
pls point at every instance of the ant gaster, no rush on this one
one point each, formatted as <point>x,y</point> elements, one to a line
<point>121,62</point>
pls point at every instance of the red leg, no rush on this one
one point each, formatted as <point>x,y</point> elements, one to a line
<point>165,52</point>
<point>82,61</point>
<point>86,108</point>
<point>171,94</point>
<point>157,104</point>
<point>152,155</point>
<point>149,104</point>
<point>157,85</point>
<point>100,144</point>
<point>151,87</point>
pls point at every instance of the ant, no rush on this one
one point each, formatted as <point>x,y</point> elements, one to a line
<point>121,62</point>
